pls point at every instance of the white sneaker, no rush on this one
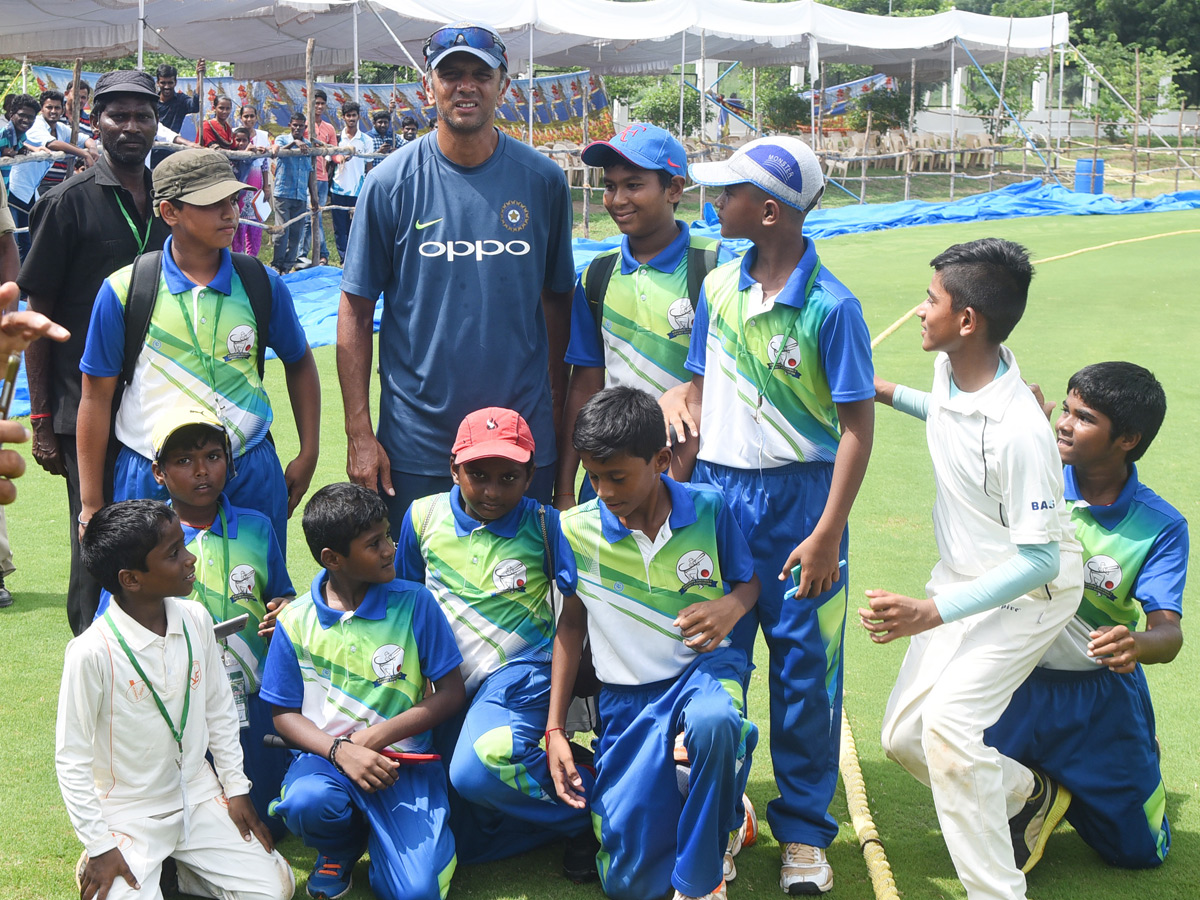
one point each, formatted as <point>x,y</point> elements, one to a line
<point>745,836</point>
<point>718,894</point>
<point>804,870</point>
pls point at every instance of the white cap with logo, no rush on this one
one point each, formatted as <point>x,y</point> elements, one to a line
<point>785,167</point>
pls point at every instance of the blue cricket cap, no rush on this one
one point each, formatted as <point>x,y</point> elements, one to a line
<point>641,145</point>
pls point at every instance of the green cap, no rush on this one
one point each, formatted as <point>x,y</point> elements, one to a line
<point>198,177</point>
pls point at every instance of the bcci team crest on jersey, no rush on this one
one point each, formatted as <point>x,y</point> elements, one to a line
<point>240,342</point>
<point>510,576</point>
<point>1103,575</point>
<point>514,215</point>
<point>681,316</point>
<point>241,583</point>
<point>784,353</point>
<point>695,569</point>
<point>386,661</point>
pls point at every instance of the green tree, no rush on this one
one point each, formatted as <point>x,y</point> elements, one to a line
<point>888,109</point>
<point>1119,63</point>
<point>781,106</point>
<point>659,104</point>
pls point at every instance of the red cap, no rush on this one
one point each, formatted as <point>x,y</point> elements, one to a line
<point>493,432</point>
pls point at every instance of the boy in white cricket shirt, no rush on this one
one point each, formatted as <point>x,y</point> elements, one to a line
<point>1010,574</point>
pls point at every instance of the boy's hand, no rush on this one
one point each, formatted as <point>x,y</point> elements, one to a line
<point>678,415</point>
<point>241,810</point>
<point>100,873</point>
<point>705,624</point>
<point>1114,646</point>
<point>817,557</point>
<point>275,606</point>
<point>894,616</point>
<point>567,782</point>
<point>366,768</point>
<point>298,476</point>
<point>1047,406</point>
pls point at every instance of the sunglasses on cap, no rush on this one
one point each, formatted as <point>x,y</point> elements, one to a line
<point>466,36</point>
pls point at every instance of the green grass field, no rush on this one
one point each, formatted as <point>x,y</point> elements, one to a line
<point>1136,302</point>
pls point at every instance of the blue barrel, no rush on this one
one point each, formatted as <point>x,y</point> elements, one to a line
<point>1086,180</point>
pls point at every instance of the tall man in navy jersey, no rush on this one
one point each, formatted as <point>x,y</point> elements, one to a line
<point>467,234</point>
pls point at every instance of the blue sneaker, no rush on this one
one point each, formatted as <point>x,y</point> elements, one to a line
<point>330,879</point>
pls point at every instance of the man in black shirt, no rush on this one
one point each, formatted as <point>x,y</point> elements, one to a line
<point>82,231</point>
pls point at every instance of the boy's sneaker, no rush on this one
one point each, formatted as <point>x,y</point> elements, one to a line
<point>330,878</point>
<point>804,870</point>
<point>739,838</point>
<point>1031,827</point>
<point>718,894</point>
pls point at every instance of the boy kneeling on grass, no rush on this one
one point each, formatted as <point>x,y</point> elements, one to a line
<point>347,671</point>
<point>144,697</point>
<point>664,575</point>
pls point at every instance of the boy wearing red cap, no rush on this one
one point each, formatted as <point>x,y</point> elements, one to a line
<point>491,555</point>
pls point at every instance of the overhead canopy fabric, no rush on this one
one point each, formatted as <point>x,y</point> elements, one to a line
<point>268,39</point>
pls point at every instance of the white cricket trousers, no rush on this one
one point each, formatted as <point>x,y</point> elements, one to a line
<point>214,861</point>
<point>955,682</point>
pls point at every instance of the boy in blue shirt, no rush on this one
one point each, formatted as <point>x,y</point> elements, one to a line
<point>240,569</point>
<point>1083,719</point>
<point>781,400</point>
<point>632,314</point>
<point>664,574</point>
<point>347,672</point>
<point>295,181</point>
<point>492,556</point>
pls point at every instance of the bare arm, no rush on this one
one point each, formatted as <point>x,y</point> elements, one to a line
<point>817,555</point>
<point>93,427</point>
<point>37,370</point>
<point>556,307</point>
<point>1121,650</point>
<point>367,462</point>
<point>585,382</point>
<point>304,390</point>
<point>568,647</point>
<point>366,768</point>
<point>447,698</point>
<point>10,264</point>
<point>682,407</point>
<point>884,391</point>
<point>706,624</point>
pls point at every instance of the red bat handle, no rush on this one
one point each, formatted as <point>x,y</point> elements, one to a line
<point>403,757</point>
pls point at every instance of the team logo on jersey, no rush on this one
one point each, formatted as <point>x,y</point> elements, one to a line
<point>784,354</point>
<point>195,674</point>
<point>240,342</point>
<point>241,584</point>
<point>681,316</point>
<point>509,576</point>
<point>1103,575</point>
<point>514,215</point>
<point>137,691</point>
<point>386,662</point>
<point>695,569</point>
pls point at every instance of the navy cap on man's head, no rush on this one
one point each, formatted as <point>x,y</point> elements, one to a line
<point>466,37</point>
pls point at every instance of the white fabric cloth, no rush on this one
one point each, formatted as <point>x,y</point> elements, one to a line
<point>117,761</point>
<point>351,171</point>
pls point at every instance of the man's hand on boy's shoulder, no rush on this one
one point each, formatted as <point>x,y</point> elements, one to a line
<point>241,810</point>
<point>274,606</point>
<point>894,616</point>
<point>100,873</point>
<point>567,782</point>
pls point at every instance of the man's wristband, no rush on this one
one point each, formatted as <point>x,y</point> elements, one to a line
<point>33,416</point>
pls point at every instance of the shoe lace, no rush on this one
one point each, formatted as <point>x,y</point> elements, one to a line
<point>802,855</point>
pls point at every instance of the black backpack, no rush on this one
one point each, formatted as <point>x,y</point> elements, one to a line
<point>700,261</point>
<point>143,294</point>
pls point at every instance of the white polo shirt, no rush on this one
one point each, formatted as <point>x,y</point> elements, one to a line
<point>999,477</point>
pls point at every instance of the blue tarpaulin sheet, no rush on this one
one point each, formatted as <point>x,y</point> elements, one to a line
<point>316,290</point>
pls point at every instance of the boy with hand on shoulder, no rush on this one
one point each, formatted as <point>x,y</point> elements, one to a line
<point>781,399</point>
<point>634,305</point>
<point>1083,719</point>
<point>347,671</point>
<point>201,345</point>
<point>143,699</point>
<point>1009,575</point>
<point>491,555</point>
<point>664,575</point>
<point>241,570</point>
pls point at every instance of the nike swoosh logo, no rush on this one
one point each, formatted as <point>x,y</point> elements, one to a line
<point>673,165</point>
<point>421,225</point>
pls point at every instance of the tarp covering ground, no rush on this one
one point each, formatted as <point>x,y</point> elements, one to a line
<point>316,290</point>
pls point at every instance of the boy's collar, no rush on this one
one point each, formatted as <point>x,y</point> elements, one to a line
<point>464,523</point>
<point>991,400</point>
<point>1110,515</point>
<point>189,533</point>
<point>178,283</point>
<point>373,606</point>
<point>667,261</point>
<point>799,283</point>
<point>683,512</point>
<point>137,636</point>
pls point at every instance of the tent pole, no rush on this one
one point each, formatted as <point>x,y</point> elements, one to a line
<point>75,105</point>
<point>399,43</point>
<point>754,102</point>
<point>912,127</point>
<point>199,105</point>
<point>1000,102</point>
<point>587,170</point>
<point>682,80</point>
<point>1050,87</point>
<point>820,98</point>
<point>357,92</point>
<point>702,84</point>
<point>1137,86</point>
<point>953,119</point>
<point>530,84</point>
<point>314,219</point>
<point>1061,65</point>
<point>141,63</point>
<point>25,74</point>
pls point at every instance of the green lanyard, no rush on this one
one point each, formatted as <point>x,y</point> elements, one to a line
<point>224,551</point>
<point>176,733</point>
<point>142,239</point>
<point>209,362</point>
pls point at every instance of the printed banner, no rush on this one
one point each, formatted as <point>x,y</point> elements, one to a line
<point>835,99</point>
